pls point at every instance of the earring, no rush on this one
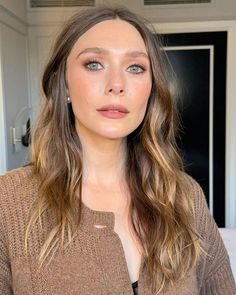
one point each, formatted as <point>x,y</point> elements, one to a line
<point>68,99</point>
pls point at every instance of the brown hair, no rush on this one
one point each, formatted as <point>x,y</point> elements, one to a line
<point>161,209</point>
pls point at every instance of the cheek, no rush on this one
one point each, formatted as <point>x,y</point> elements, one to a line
<point>77,83</point>
<point>86,88</point>
<point>143,91</point>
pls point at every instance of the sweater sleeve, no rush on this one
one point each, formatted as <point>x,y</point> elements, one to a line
<point>214,270</point>
<point>5,271</point>
<point>5,268</point>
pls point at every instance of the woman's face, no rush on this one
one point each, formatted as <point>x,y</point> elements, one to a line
<point>109,80</point>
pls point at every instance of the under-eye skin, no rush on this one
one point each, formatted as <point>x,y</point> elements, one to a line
<point>136,69</point>
<point>93,65</point>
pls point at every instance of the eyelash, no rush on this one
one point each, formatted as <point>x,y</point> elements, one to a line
<point>96,61</point>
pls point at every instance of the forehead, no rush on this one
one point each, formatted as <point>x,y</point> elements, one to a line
<point>114,33</point>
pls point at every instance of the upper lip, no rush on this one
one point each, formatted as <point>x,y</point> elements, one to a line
<point>114,107</point>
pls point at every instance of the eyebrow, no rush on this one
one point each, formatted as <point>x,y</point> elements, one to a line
<point>99,50</point>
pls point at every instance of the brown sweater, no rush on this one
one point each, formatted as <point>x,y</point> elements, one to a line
<point>94,263</point>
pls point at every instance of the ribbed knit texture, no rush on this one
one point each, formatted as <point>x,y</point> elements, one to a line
<point>94,263</point>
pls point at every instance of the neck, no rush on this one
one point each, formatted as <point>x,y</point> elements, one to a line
<point>104,161</point>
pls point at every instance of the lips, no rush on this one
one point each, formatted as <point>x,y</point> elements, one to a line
<point>113,111</point>
<point>114,108</point>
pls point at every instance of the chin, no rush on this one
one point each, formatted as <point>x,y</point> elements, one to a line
<point>117,135</point>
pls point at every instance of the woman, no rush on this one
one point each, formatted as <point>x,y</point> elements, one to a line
<point>105,205</point>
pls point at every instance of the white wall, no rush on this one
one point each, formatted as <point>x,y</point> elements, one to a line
<point>40,43</point>
<point>14,90</point>
<point>216,10</point>
<point>16,7</point>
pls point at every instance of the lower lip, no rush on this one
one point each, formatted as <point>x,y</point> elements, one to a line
<point>112,115</point>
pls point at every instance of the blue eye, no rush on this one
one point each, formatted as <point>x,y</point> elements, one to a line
<point>136,69</point>
<point>93,65</point>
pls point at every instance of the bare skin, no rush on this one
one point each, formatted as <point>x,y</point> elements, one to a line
<point>105,70</point>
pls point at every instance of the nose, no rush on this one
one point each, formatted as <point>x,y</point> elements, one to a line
<point>115,84</point>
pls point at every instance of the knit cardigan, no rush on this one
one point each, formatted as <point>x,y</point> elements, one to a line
<point>94,262</point>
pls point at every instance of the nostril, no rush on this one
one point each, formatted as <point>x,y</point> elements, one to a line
<point>111,90</point>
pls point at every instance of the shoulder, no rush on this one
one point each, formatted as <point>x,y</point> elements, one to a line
<point>192,184</point>
<point>18,192</point>
<point>18,188</point>
<point>15,178</point>
<point>195,192</point>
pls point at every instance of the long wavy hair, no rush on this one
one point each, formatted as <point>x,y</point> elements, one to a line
<point>161,209</point>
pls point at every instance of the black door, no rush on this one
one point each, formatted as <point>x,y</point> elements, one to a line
<point>199,85</point>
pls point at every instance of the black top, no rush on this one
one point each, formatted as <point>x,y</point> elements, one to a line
<point>135,287</point>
